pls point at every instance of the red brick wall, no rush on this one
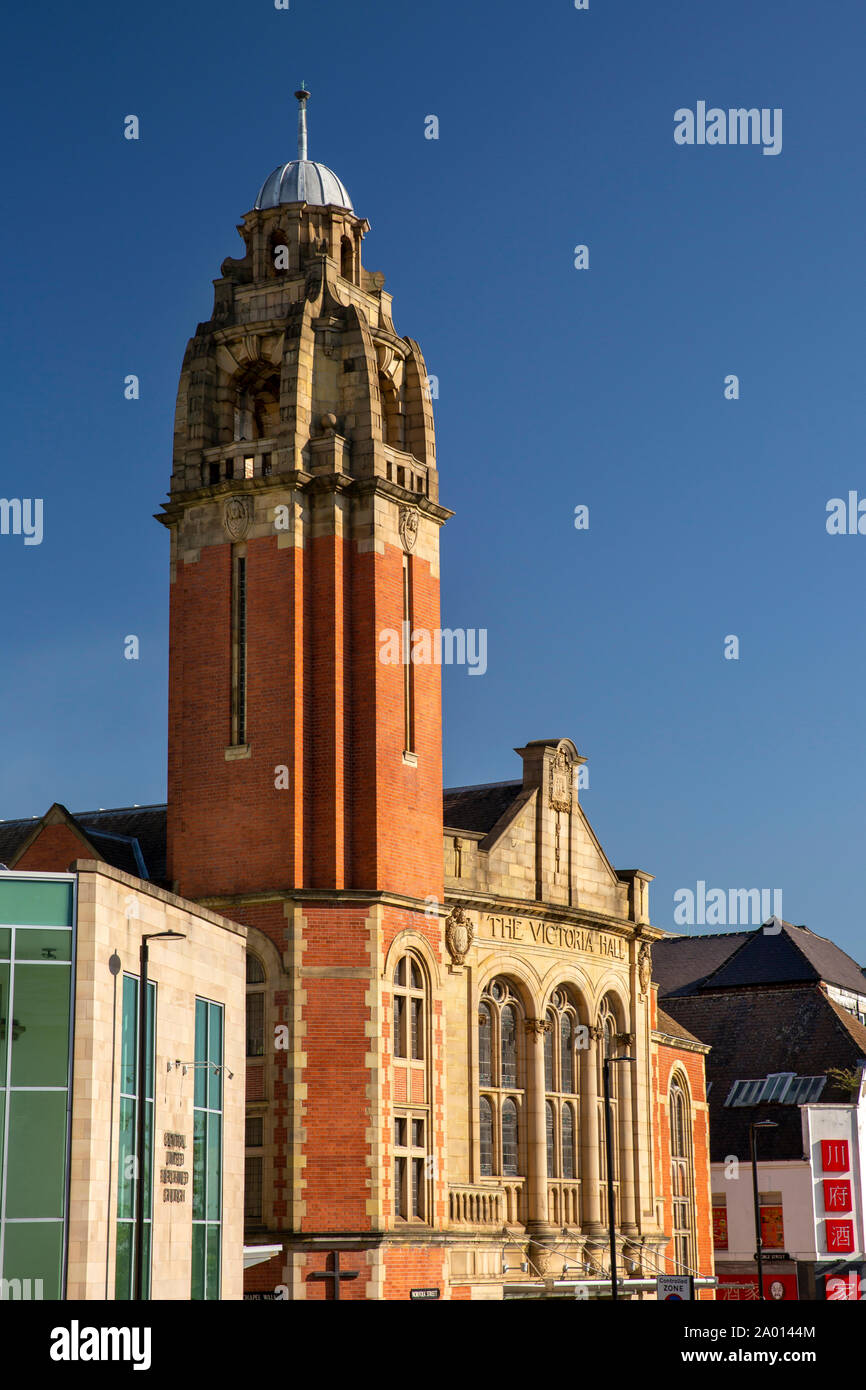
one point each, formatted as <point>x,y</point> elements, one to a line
<point>665,1060</point>
<point>53,850</point>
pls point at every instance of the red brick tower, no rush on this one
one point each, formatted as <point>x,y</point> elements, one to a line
<point>304,773</point>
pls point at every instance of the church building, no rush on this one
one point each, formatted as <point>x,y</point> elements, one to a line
<point>433,984</point>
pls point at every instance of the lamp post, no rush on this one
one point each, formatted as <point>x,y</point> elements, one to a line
<point>607,1063</point>
<point>138,1282</point>
<point>759,1245</point>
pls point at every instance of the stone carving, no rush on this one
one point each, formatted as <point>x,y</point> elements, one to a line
<point>237,517</point>
<point>537,1026</point>
<point>459,935</point>
<point>560,781</point>
<point>624,1039</point>
<point>408,527</point>
<point>645,966</point>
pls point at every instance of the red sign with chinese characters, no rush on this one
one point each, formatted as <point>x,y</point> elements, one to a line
<point>720,1228</point>
<point>837,1194</point>
<point>834,1155</point>
<point>743,1288</point>
<point>840,1235</point>
<point>843,1286</point>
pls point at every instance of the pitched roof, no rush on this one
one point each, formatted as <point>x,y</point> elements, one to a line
<point>666,1024</point>
<point>681,964</point>
<point>131,838</point>
<point>478,808</point>
<point>737,960</point>
<point>755,1032</point>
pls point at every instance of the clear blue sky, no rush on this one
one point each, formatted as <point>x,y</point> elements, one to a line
<point>557,387</point>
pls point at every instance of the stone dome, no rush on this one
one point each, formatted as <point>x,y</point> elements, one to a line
<point>303,181</point>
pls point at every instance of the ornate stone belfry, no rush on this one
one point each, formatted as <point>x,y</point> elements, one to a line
<point>303,424</point>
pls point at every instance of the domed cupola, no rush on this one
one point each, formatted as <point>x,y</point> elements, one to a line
<point>303,180</point>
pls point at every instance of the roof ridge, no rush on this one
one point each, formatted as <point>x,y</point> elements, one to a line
<point>482,786</point>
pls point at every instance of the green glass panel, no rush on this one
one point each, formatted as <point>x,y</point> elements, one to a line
<point>36,1161</point>
<point>148,1160</point>
<point>40,1033</point>
<point>36,903</point>
<point>128,1030</point>
<point>147,1245</point>
<point>149,1032</point>
<point>214,1155</point>
<point>200,1084</point>
<point>126,1154</point>
<point>215,1056</point>
<point>123,1260</point>
<point>198,1165</point>
<point>34,1250</point>
<point>213,1262</point>
<point>40,943</point>
<point>198,1261</point>
<point>4,1010</point>
<point>5,943</point>
<point>2,1139</point>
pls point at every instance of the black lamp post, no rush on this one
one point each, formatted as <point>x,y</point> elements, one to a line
<point>759,1245</point>
<point>138,1283</point>
<point>608,1146</point>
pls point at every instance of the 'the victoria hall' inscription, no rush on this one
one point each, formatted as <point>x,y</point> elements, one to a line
<point>549,934</point>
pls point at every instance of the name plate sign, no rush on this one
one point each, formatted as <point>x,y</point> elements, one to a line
<point>174,1177</point>
<point>590,943</point>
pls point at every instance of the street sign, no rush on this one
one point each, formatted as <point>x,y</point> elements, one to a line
<point>421,1294</point>
<point>675,1288</point>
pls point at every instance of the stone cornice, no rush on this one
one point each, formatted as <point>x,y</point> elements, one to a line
<point>298,480</point>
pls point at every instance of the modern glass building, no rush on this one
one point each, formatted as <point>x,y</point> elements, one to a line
<point>69,1090</point>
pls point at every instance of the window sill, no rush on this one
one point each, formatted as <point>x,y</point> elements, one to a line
<point>410,759</point>
<point>237,751</point>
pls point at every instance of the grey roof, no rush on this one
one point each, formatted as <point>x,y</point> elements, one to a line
<point>478,808</point>
<point>737,960</point>
<point>681,964</point>
<point>303,181</point>
<point>131,838</point>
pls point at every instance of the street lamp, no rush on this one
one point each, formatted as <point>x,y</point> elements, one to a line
<point>608,1146</point>
<point>759,1245</point>
<point>138,1284</point>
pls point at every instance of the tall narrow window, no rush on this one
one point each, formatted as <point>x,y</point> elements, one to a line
<point>255,1007</point>
<point>207,1151</point>
<point>239,652</point>
<point>408,668</point>
<point>500,1072</point>
<point>127,1235</point>
<point>681,1187</point>
<point>560,1077</point>
<point>412,1141</point>
<point>254,1163</point>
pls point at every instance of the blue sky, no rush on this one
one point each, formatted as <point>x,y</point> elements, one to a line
<point>558,387</point>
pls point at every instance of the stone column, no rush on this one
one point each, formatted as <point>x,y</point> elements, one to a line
<point>627,1219</point>
<point>536,1177</point>
<point>590,1171</point>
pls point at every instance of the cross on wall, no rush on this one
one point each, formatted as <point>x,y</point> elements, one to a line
<point>335,1273</point>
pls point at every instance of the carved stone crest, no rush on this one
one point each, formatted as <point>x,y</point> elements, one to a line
<point>645,966</point>
<point>459,935</point>
<point>237,517</point>
<point>560,781</point>
<point>408,527</point>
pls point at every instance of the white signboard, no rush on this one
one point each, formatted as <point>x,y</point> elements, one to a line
<point>674,1288</point>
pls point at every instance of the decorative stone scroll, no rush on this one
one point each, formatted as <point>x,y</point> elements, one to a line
<point>560,781</point>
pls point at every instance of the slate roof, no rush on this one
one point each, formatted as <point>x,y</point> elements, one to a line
<point>738,960</point>
<point>478,808</point>
<point>131,838</point>
<point>666,1024</point>
<point>753,1032</point>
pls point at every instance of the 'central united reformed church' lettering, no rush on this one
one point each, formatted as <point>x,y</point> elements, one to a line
<point>549,934</point>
